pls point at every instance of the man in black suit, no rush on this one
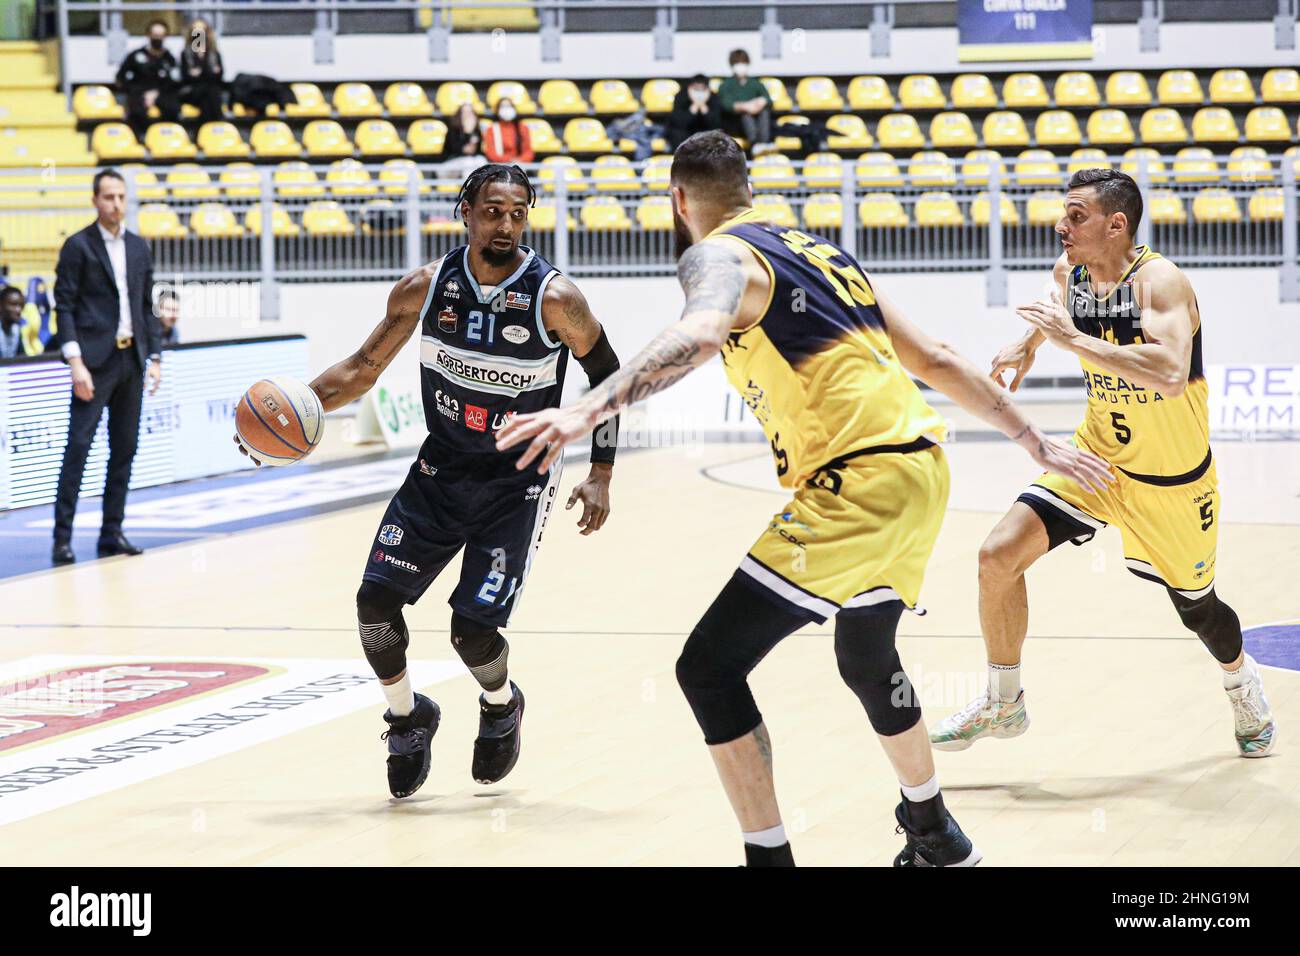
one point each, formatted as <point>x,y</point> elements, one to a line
<point>108,334</point>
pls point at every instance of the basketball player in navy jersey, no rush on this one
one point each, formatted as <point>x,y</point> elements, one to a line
<point>497,323</point>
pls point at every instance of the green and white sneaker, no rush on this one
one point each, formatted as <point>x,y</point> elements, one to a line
<point>1254,727</point>
<point>982,717</point>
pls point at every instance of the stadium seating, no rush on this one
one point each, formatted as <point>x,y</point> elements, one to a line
<point>881,210</point>
<point>1005,128</point>
<point>604,214</point>
<point>378,137</point>
<point>1024,90</point>
<point>1127,88</point>
<point>1266,205</point>
<point>586,135</point>
<point>823,212</point>
<point>921,92</point>
<point>1267,124</point>
<point>899,131</point>
<point>818,94</point>
<point>657,95</point>
<point>870,93</point>
<point>1076,89</point>
<point>453,93</point>
<point>613,96</point>
<point>353,100</point>
<point>1045,208</point>
<point>794,143</point>
<point>147,187</point>
<point>1088,157</point>
<point>96,103</point>
<point>514,91</point>
<point>846,131</point>
<point>823,171</point>
<point>325,217</point>
<point>1109,127</point>
<point>1165,207</point>
<point>542,137</point>
<point>938,209</point>
<point>311,101</point>
<point>1155,165</point>
<point>212,220</point>
<point>1179,88</point>
<point>561,98</point>
<point>931,169</point>
<point>614,173</point>
<point>977,166</point>
<point>1231,86</point>
<point>241,181</point>
<point>1195,164</point>
<point>543,217</point>
<point>407,99</point>
<point>159,221</point>
<point>877,169</point>
<point>1214,124</point>
<point>1280,86</point>
<point>396,176</point>
<point>776,208</point>
<point>781,101</point>
<point>115,141</point>
<point>774,171</point>
<point>1037,167</point>
<point>348,178</point>
<point>273,139</point>
<point>575,181</point>
<point>655,213</point>
<point>169,141</point>
<point>281,223</point>
<point>952,130</point>
<point>1215,206</point>
<point>981,209</point>
<point>296,178</point>
<point>190,181</point>
<point>655,172</point>
<point>221,141</point>
<point>1057,128</point>
<point>1249,164</point>
<point>973,91</point>
<point>325,138</point>
<point>426,136</point>
<point>1163,125</point>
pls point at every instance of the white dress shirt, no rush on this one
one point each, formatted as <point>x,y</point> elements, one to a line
<point>116,246</point>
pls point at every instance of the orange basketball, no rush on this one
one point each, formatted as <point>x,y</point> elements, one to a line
<point>279,420</point>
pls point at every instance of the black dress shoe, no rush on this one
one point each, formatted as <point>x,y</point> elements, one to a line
<point>63,553</point>
<point>117,544</point>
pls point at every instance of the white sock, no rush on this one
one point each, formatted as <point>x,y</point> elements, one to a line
<point>1004,681</point>
<point>502,695</point>
<point>922,791</point>
<point>1234,679</point>
<point>401,699</point>
<point>772,837</point>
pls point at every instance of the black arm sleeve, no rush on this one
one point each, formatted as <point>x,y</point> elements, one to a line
<point>600,363</point>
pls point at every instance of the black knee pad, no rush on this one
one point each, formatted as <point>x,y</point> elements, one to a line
<point>384,637</point>
<point>1213,622</point>
<point>869,664</point>
<point>482,648</point>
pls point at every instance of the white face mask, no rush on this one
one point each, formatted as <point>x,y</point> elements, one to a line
<point>741,70</point>
<point>507,113</point>
<point>699,96</point>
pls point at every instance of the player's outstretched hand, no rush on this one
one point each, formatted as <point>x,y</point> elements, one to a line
<point>594,495</point>
<point>1083,467</point>
<point>1018,357</point>
<point>244,451</point>
<point>555,427</point>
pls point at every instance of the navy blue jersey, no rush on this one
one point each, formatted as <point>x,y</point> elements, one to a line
<point>484,354</point>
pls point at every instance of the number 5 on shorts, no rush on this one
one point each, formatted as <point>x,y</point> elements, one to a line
<point>1207,515</point>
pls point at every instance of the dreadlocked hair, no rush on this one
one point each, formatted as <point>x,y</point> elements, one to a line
<point>493,173</point>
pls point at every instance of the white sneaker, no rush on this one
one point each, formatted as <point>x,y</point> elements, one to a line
<point>982,717</point>
<point>1253,722</point>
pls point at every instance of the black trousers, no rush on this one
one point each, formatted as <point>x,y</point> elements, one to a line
<point>119,387</point>
<point>137,114</point>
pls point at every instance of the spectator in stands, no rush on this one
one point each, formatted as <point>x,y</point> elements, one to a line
<point>639,130</point>
<point>506,140</point>
<point>462,150</point>
<point>150,77</point>
<point>169,312</point>
<point>746,99</point>
<point>202,73</point>
<point>695,109</point>
<point>12,301</point>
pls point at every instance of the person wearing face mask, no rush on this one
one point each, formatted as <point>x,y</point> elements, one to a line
<point>506,140</point>
<point>203,72</point>
<point>747,104</point>
<point>695,110</point>
<point>150,77</point>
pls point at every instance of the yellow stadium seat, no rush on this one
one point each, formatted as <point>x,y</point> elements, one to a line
<point>881,210</point>
<point>1215,205</point>
<point>1005,128</point>
<point>586,135</point>
<point>241,181</point>
<point>347,177</point>
<point>655,172</point>
<point>981,210</point>
<point>1087,158</point>
<point>1231,86</point>
<point>214,220</point>
<point>781,102</point>
<point>327,218</point>
<point>613,96</point>
<point>938,209</point>
<point>379,138</point>
<point>1109,127</point>
<point>870,93</point>
<point>1250,164</point>
<point>977,166</point>
<point>1179,88</point>
<point>794,143</point>
<point>1057,128</point>
<point>426,137</point>
<point>396,175</point>
<point>1214,124</point>
<point>189,181</point>
<point>950,130</point>
<point>356,99</point>
<point>1045,208</point>
<point>576,182</point>
<point>846,131</point>
<point>899,131</point>
<point>1076,89</point>
<point>1163,125</point>
<point>296,178</point>
<point>921,92</point>
<point>931,168</point>
<point>147,188</point>
<point>655,213</point>
<point>823,170</point>
<point>1037,167</point>
<point>1267,124</point>
<point>542,136</point>
<point>1196,165</point>
<point>823,211</point>
<point>113,141</point>
<point>1281,85</point>
<point>515,92</point>
<point>614,172</point>
<point>542,218</point>
<point>453,93</point>
<point>1024,90</point>
<point>773,171</point>
<point>560,98</point>
<point>407,99</point>
<point>877,169</point>
<point>1127,88</point>
<point>1156,169</point>
<point>973,91</point>
<point>311,101</point>
<point>777,209</point>
<point>657,95</point>
<point>169,141</point>
<point>326,138</point>
<point>1165,208</point>
<point>159,221</point>
<point>96,103</point>
<point>604,214</point>
<point>818,94</point>
<point>221,141</point>
<point>1267,205</point>
<point>273,138</point>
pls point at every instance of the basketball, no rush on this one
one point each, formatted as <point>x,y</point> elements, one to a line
<point>279,420</point>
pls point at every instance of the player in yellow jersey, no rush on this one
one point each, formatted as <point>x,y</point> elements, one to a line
<point>1132,318</point>
<point>825,363</point>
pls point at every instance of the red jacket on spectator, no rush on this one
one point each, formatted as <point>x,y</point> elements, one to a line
<point>507,143</point>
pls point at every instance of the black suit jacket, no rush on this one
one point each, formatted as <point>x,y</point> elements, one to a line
<point>86,302</point>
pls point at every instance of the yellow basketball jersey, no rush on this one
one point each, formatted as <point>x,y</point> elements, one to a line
<point>817,368</point>
<point>1145,434</point>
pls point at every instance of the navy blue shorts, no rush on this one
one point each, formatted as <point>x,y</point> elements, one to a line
<point>497,514</point>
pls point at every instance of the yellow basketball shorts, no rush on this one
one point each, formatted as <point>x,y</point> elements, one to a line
<point>1170,532</point>
<point>857,534</point>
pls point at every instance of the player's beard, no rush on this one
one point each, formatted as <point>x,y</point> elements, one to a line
<point>681,236</point>
<point>497,257</point>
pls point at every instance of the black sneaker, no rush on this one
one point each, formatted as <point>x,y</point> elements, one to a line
<point>944,846</point>
<point>408,746</point>
<point>497,748</point>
